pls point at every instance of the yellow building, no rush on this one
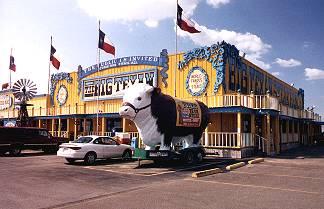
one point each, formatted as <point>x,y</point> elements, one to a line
<point>251,110</point>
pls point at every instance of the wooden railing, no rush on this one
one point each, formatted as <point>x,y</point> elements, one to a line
<point>64,134</point>
<point>227,139</point>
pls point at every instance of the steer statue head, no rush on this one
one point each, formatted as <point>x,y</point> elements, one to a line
<point>136,102</point>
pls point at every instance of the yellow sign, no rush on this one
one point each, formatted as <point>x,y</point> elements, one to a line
<point>197,81</point>
<point>188,113</point>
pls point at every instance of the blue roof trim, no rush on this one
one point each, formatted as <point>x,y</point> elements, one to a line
<point>288,118</point>
<point>267,111</point>
<point>231,110</point>
<point>319,123</point>
<point>106,115</point>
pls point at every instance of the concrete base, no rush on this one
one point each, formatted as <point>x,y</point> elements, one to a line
<point>230,152</point>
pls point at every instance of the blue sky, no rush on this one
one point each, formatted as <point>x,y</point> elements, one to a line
<point>284,37</point>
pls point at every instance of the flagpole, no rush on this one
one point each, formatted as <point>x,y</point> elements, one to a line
<point>176,52</point>
<point>10,70</point>
<point>9,86</point>
<point>49,70</point>
<point>98,83</point>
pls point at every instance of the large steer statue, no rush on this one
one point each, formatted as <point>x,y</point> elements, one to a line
<point>161,119</point>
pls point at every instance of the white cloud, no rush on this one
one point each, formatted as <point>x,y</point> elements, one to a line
<point>217,3</point>
<point>307,44</point>
<point>288,63</point>
<point>148,11</point>
<point>249,43</point>
<point>275,73</point>
<point>314,74</point>
<point>151,23</point>
<point>134,11</point>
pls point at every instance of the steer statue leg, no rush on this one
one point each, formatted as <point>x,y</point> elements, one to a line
<point>163,145</point>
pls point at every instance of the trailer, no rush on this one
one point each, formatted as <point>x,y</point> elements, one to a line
<point>191,155</point>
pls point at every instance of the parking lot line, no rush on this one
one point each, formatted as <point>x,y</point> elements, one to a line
<point>152,173</point>
<point>295,167</point>
<point>113,171</point>
<point>278,175</point>
<point>254,186</point>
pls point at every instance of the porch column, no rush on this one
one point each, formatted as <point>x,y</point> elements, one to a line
<point>53,122</point>
<point>75,128</point>
<point>277,135</point>
<point>287,131</point>
<point>298,132</point>
<point>252,123</point>
<point>68,128</point>
<point>59,127</point>
<point>84,126</point>
<point>206,137</point>
<point>293,131</point>
<point>239,128</point>
<point>268,134</point>
<point>103,126</point>
<point>124,124</point>
<point>39,123</point>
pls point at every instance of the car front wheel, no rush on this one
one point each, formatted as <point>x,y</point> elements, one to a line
<point>90,158</point>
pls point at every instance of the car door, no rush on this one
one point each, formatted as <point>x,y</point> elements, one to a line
<point>117,149</point>
<point>110,147</point>
<point>98,147</point>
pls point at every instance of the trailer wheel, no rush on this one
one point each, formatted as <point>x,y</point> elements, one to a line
<point>199,157</point>
<point>189,157</point>
<point>15,150</point>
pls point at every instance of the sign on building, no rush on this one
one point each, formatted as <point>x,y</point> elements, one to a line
<point>107,87</point>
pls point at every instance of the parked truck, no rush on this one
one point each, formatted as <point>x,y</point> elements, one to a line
<point>16,139</point>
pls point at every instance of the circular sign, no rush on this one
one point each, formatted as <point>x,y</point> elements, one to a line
<point>197,81</point>
<point>62,95</point>
<point>5,102</point>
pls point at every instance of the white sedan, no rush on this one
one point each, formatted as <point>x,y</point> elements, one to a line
<point>90,148</point>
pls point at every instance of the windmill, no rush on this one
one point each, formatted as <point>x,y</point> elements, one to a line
<point>23,90</point>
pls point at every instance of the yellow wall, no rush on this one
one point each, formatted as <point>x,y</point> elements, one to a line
<point>112,106</point>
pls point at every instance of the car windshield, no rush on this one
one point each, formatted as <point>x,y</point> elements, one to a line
<point>84,140</point>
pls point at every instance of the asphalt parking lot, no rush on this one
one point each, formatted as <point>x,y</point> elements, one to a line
<point>34,180</point>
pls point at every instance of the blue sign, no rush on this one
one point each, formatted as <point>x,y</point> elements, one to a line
<point>124,61</point>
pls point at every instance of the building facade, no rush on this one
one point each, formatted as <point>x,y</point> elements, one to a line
<point>251,110</point>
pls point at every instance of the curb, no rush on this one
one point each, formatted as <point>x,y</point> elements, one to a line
<point>205,172</point>
<point>258,160</point>
<point>234,166</point>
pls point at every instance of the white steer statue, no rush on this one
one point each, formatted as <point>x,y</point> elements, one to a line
<point>162,119</point>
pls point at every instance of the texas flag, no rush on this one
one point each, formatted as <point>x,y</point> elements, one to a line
<point>105,44</point>
<point>5,86</point>
<point>184,23</point>
<point>54,61</point>
<point>12,65</point>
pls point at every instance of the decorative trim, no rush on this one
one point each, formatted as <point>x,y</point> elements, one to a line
<point>79,79</point>
<point>205,81</point>
<point>63,100</point>
<point>55,78</point>
<point>164,59</point>
<point>217,55</point>
<point>213,54</point>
